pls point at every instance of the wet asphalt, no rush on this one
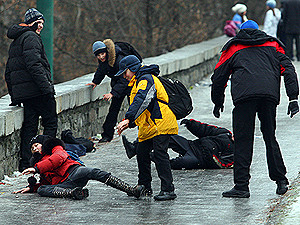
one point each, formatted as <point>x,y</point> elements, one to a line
<point>199,192</point>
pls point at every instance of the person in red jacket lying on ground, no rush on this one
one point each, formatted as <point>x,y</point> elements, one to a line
<point>60,176</point>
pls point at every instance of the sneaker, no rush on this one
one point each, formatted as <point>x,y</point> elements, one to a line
<point>104,140</point>
<point>165,195</point>
<point>234,193</point>
<point>129,147</point>
<point>282,187</point>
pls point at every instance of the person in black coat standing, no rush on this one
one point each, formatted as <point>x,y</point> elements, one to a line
<point>256,62</point>
<point>291,24</point>
<point>109,55</point>
<point>28,79</point>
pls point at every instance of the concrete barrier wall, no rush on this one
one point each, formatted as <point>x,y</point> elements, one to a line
<point>82,109</point>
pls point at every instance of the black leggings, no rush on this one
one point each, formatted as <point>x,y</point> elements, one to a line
<point>78,178</point>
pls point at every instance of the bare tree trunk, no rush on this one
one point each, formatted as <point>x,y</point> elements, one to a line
<point>148,24</point>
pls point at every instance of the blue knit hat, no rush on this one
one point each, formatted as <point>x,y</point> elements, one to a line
<point>129,62</point>
<point>249,24</point>
<point>99,47</point>
<point>32,15</point>
<point>271,3</point>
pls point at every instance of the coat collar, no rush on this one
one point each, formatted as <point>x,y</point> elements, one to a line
<point>111,51</point>
<point>250,37</point>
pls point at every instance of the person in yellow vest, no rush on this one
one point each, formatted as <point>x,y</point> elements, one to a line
<point>155,120</point>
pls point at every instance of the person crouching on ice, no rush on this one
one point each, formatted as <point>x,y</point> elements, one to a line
<point>62,177</point>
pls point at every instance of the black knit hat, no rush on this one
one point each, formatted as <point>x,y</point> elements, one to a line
<point>32,15</point>
<point>39,139</point>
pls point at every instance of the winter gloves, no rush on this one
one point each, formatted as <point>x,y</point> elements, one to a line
<point>185,122</point>
<point>217,109</point>
<point>293,108</point>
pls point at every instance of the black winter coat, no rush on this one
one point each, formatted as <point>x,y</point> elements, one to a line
<point>27,71</point>
<point>291,16</point>
<point>255,62</point>
<point>119,84</point>
<point>214,144</point>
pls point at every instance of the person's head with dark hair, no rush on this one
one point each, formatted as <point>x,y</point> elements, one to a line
<point>37,142</point>
<point>36,145</point>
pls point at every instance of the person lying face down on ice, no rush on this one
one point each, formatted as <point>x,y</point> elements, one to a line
<point>62,177</point>
<point>213,148</point>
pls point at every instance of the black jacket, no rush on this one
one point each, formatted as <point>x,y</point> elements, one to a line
<point>214,144</point>
<point>255,62</point>
<point>27,71</point>
<point>119,84</point>
<point>291,16</point>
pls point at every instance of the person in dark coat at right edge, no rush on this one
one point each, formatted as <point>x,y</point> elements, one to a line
<point>291,26</point>
<point>255,62</point>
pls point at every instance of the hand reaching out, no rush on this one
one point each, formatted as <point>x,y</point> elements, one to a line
<point>92,84</point>
<point>23,190</point>
<point>107,97</point>
<point>28,171</point>
<point>122,126</point>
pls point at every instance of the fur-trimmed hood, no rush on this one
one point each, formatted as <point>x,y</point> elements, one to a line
<point>50,144</point>
<point>111,51</point>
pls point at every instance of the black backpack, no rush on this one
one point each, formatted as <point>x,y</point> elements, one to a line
<point>128,49</point>
<point>180,101</point>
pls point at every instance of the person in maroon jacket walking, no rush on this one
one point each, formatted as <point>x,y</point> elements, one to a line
<point>255,61</point>
<point>60,176</point>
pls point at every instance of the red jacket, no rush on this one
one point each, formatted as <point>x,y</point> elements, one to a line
<point>53,168</point>
<point>54,164</point>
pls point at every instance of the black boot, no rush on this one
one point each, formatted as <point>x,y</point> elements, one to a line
<point>117,183</point>
<point>104,139</point>
<point>282,187</point>
<point>234,193</point>
<point>147,192</point>
<point>165,195</point>
<point>77,193</point>
<point>129,147</point>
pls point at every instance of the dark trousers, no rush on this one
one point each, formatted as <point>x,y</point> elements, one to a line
<point>159,144</point>
<point>78,178</point>
<point>290,44</point>
<point>187,159</point>
<point>112,117</point>
<point>44,106</point>
<point>243,128</point>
